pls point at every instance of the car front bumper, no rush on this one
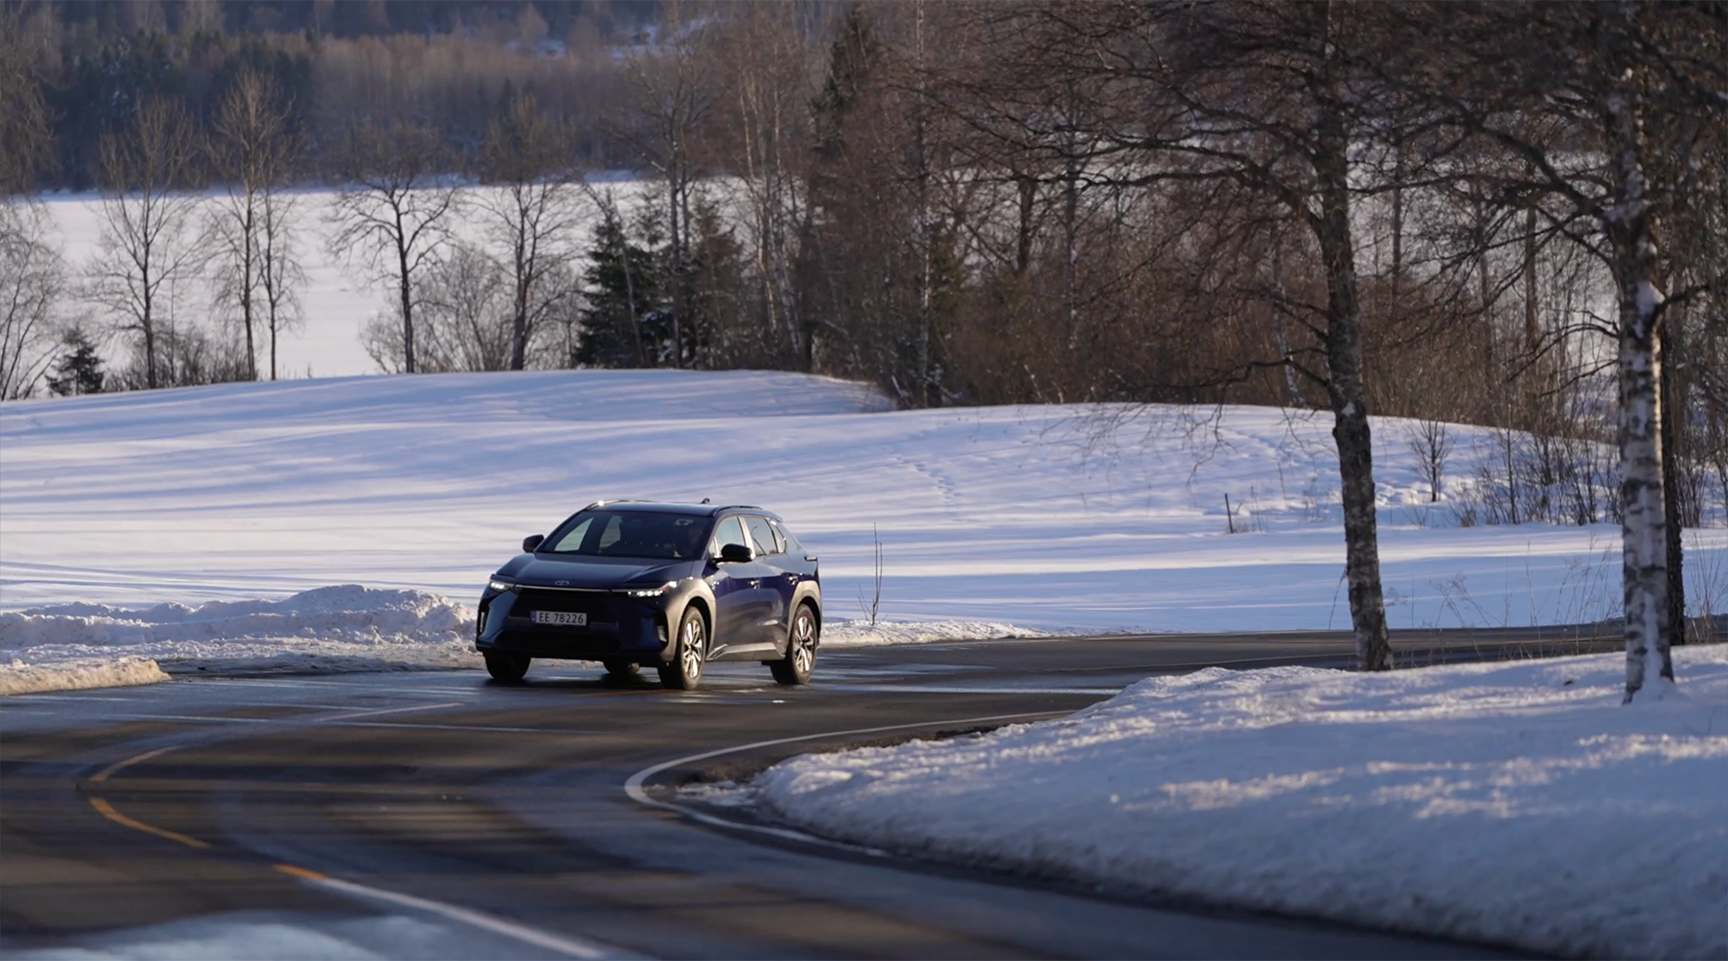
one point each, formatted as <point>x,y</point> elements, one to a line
<point>619,626</point>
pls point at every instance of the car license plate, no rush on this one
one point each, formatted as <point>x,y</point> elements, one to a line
<point>563,618</point>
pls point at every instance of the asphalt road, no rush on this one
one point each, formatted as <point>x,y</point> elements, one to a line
<point>440,815</point>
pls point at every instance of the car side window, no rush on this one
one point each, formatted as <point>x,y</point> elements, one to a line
<point>572,541</point>
<point>729,531</point>
<point>787,541</point>
<point>762,534</point>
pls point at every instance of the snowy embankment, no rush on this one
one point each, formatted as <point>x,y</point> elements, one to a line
<point>334,629</point>
<point>991,521</point>
<point>1517,804</point>
<point>342,629</point>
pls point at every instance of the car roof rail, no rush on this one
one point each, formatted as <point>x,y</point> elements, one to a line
<point>615,500</point>
<point>742,507</point>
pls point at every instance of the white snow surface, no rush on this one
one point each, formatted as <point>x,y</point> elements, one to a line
<point>1513,803</point>
<point>993,522</point>
<point>74,673</point>
<point>332,629</point>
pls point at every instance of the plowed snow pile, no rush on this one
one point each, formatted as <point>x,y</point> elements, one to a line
<point>1516,803</point>
<point>344,628</point>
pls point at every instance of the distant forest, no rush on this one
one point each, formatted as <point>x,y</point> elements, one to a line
<point>448,63</point>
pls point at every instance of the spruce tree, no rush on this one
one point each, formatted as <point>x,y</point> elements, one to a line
<point>79,370</point>
<point>627,321</point>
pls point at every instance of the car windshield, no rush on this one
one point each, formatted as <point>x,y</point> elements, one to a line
<point>661,536</point>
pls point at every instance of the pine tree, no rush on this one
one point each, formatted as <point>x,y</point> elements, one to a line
<point>627,320</point>
<point>79,370</point>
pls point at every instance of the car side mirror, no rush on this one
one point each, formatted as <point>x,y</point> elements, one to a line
<point>533,541</point>
<point>735,554</point>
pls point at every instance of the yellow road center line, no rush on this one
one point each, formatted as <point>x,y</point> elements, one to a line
<point>301,873</point>
<point>118,766</point>
<point>107,810</point>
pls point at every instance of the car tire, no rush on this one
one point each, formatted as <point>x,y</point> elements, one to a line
<point>508,668</point>
<point>622,669</point>
<point>689,653</point>
<point>801,642</point>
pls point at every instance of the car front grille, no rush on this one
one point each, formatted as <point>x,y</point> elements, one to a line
<point>592,603</point>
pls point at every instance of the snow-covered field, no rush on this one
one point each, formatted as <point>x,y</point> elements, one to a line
<point>1011,519</point>
<point>1516,803</point>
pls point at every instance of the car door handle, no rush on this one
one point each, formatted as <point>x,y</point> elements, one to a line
<point>755,582</point>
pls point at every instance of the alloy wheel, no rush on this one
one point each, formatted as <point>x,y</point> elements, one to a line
<point>690,648</point>
<point>804,642</point>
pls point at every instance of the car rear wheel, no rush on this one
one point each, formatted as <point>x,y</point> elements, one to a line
<point>800,657</point>
<point>622,668</point>
<point>688,654</point>
<point>508,668</point>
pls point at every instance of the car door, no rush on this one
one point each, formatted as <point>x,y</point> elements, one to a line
<point>777,584</point>
<point>737,587</point>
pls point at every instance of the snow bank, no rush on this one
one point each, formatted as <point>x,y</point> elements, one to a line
<point>859,632</point>
<point>342,628</point>
<point>77,674</point>
<point>1512,803</point>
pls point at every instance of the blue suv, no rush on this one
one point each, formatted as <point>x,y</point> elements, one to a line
<point>629,583</point>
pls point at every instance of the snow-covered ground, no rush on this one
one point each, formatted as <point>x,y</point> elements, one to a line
<point>342,628</point>
<point>1518,803</point>
<point>1019,519</point>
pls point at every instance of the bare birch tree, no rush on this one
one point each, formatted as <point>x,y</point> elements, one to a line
<point>393,214</point>
<point>1627,91</point>
<point>32,283</point>
<point>1269,101</point>
<point>280,275</point>
<point>673,95</point>
<point>252,146</point>
<point>150,243</point>
<point>769,68</point>
<point>533,210</point>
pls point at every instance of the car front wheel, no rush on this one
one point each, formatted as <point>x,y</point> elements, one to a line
<point>800,657</point>
<point>688,654</point>
<point>508,668</point>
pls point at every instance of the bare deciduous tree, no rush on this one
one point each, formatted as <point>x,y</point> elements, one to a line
<point>533,211</point>
<point>150,243</point>
<point>253,146</point>
<point>1431,443</point>
<point>1271,101</point>
<point>394,211</point>
<point>1635,92</point>
<point>767,61</point>
<point>32,282</point>
<point>280,275</point>
<point>673,96</point>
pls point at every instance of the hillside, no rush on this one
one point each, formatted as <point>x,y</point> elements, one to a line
<point>1052,518</point>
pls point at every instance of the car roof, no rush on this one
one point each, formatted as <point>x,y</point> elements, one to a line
<point>699,510</point>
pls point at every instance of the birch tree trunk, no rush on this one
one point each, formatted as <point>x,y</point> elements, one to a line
<point>1643,511</point>
<point>1344,386</point>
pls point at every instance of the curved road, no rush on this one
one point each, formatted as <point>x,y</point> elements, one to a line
<point>440,815</point>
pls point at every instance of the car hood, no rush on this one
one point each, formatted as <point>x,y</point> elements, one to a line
<point>535,570</point>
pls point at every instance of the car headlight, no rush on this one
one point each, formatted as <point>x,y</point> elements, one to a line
<point>500,586</point>
<point>652,591</point>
